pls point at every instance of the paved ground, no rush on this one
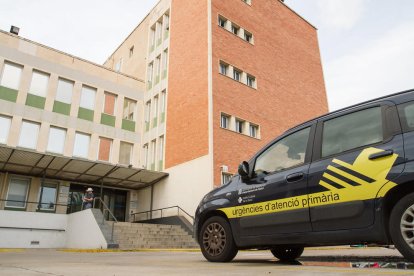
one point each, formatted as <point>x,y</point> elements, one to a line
<point>323,261</point>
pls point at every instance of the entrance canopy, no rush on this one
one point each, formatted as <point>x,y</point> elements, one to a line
<point>31,163</point>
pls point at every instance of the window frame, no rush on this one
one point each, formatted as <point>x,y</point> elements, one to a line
<point>50,138</point>
<point>387,130</point>
<point>223,115</point>
<point>37,134</point>
<point>29,182</point>
<point>19,81</point>
<point>241,123</point>
<point>10,121</point>
<point>48,183</point>
<point>74,145</point>
<point>308,151</point>
<point>239,72</point>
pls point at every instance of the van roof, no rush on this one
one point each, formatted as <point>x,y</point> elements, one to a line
<point>351,106</point>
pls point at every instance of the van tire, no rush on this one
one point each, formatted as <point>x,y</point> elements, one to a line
<point>402,226</point>
<point>287,253</point>
<point>216,240</point>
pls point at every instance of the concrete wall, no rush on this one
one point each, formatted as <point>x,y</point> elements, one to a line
<point>185,186</point>
<point>83,231</point>
<point>22,238</point>
<point>78,230</point>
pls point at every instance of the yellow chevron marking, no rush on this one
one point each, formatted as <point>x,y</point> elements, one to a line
<point>327,186</point>
<point>377,169</point>
<point>336,180</point>
<point>347,175</point>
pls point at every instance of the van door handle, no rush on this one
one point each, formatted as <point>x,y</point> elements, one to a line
<point>294,177</point>
<point>381,154</point>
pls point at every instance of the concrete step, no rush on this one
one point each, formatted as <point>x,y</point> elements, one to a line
<point>137,235</point>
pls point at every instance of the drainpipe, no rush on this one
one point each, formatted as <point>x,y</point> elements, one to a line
<point>152,200</point>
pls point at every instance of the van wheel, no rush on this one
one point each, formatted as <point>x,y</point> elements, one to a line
<point>216,240</point>
<point>287,253</point>
<point>402,226</point>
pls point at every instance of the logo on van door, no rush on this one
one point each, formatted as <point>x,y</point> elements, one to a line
<point>364,179</point>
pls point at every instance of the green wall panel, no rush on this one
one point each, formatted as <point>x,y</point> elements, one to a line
<point>128,125</point>
<point>8,94</point>
<point>85,114</point>
<point>108,120</point>
<point>62,108</point>
<point>35,101</point>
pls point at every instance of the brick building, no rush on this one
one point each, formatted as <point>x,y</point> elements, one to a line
<point>196,88</point>
<point>222,79</point>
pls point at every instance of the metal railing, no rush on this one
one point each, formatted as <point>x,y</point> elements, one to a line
<point>162,213</point>
<point>105,208</point>
<point>52,206</point>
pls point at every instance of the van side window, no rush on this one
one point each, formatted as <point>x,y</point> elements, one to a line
<point>352,131</point>
<point>406,112</point>
<point>287,152</point>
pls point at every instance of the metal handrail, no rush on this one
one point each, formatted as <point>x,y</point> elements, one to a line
<point>105,208</point>
<point>36,202</point>
<point>161,211</point>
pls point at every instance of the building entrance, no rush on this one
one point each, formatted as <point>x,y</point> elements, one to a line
<point>115,200</point>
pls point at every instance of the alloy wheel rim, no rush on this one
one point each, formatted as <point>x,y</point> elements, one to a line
<point>407,226</point>
<point>214,239</point>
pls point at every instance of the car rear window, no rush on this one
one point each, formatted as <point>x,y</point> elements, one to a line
<point>351,131</point>
<point>406,112</point>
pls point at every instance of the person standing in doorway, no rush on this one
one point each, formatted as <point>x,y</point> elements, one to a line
<point>88,199</point>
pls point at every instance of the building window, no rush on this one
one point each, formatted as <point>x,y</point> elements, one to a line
<point>248,36</point>
<point>149,74</point>
<point>222,21</point>
<point>155,109</point>
<point>118,65</point>
<point>125,153</point>
<point>153,154</point>
<point>129,109</point>
<point>47,196</point>
<point>225,121</point>
<point>235,29</point>
<point>131,51</point>
<point>152,38</point>
<point>251,81</point>
<point>105,148</point>
<point>11,75</point>
<point>145,163</point>
<point>5,124</point>
<point>56,142</point>
<point>161,149</point>
<point>87,99</point>
<point>163,101</point>
<point>224,68</point>
<point>17,192</point>
<point>64,91</point>
<point>253,130</point>
<point>225,177</point>
<point>157,68</point>
<point>28,135</point>
<point>81,146</point>
<point>165,63</point>
<point>109,103</point>
<point>236,74</point>
<point>39,83</point>
<point>239,126</point>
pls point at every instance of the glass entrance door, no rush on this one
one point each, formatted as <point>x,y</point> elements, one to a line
<point>113,198</point>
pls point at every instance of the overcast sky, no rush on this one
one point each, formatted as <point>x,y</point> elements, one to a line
<point>367,46</point>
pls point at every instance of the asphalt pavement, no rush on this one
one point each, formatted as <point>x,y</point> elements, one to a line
<point>318,261</point>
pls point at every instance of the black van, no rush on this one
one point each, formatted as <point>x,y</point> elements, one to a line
<point>343,178</point>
